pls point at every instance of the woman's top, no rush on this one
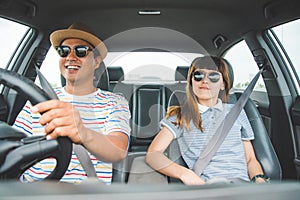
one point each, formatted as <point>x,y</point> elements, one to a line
<point>229,160</point>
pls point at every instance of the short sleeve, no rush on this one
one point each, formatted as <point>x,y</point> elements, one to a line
<point>119,116</point>
<point>246,129</point>
<point>28,122</point>
<point>169,123</point>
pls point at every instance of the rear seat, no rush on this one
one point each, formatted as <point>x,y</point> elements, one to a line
<point>148,108</point>
<point>148,104</point>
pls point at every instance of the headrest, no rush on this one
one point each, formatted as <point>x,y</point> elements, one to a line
<point>181,73</point>
<point>101,79</point>
<point>115,73</point>
<point>230,70</point>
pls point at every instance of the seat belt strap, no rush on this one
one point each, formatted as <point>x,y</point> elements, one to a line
<point>84,160</point>
<point>222,131</point>
<point>79,150</point>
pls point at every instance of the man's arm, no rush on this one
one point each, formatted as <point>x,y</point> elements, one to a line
<point>62,119</point>
<point>108,148</point>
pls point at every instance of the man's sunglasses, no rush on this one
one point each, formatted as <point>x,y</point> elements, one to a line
<point>212,76</point>
<point>80,50</point>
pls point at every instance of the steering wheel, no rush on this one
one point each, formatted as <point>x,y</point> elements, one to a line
<point>18,152</point>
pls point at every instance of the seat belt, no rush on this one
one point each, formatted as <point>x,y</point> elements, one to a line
<point>222,131</point>
<point>79,150</point>
<point>84,160</point>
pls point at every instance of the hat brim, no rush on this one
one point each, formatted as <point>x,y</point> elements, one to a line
<point>58,36</point>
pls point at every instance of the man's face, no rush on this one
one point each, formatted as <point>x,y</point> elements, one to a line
<point>76,67</point>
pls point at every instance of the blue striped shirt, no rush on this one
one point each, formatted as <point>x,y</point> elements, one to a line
<point>229,160</point>
<point>101,111</point>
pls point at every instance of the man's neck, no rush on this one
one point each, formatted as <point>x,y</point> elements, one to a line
<point>79,90</point>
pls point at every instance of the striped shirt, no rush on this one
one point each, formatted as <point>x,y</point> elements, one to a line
<point>101,111</point>
<point>229,160</point>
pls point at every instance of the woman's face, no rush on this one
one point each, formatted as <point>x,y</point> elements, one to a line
<point>206,85</point>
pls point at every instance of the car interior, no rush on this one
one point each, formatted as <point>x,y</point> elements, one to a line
<point>185,30</point>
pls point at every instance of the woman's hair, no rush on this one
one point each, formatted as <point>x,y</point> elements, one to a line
<point>189,110</point>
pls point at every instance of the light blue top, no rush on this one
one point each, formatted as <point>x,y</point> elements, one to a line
<point>229,160</point>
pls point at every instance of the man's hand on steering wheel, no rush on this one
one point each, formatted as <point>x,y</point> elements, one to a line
<point>19,152</point>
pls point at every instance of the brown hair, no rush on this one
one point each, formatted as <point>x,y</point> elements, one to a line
<point>189,109</point>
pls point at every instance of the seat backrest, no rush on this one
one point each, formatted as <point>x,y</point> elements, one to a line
<point>262,145</point>
<point>148,108</point>
<point>134,170</point>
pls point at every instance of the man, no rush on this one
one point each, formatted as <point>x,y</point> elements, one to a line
<point>96,119</point>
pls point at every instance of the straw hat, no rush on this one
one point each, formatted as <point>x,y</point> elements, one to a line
<point>80,31</point>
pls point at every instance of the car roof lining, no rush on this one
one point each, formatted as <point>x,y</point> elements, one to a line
<point>201,21</point>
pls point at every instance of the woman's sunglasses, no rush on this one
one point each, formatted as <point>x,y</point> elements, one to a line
<point>80,50</point>
<point>212,76</point>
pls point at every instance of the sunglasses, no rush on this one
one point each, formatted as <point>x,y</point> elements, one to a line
<point>212,76</point>
<point>80,50</point>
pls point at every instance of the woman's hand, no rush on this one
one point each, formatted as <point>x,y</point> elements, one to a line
<point>157,160</point>
<point>189,177</point>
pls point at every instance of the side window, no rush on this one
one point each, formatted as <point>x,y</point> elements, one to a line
<point>50,68</point>
<point>244,67</point>
<point>11,37</point>
<point>288,36</point>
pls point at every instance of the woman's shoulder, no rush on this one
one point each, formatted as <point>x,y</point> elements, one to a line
<point>228,105</point>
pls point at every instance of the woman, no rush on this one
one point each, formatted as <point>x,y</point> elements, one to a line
<point>196,121</point>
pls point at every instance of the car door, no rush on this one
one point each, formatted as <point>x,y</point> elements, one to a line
<point>277,93</point>
<point>288,42</point>
<point>245,68</point>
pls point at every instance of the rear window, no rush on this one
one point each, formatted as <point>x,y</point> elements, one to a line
<point>145,66</point>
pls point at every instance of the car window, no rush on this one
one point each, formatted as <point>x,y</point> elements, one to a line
<point>50,67</point>
<point>149,62</point>
<point>244,66</point>
<point>137,66</point>
<point>288,36</point>
<point>11,35</point>
<point>161,66</point>
<point>146,66</point>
